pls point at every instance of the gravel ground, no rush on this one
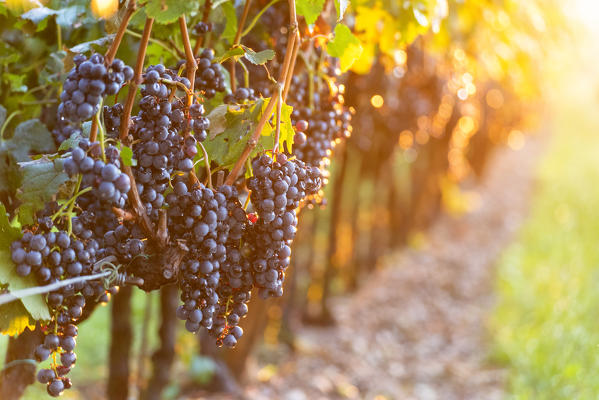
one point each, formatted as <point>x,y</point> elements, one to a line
<point>416,329</point>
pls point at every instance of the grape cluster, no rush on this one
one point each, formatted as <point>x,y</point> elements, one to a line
<point>277,190</point>
<point>109,184</point>
<point>323,123</point>
<point>241,96</point>
<point>236,283</point>
<point>210,77</point>
<point>202,28</point>
<point>200,216</point>
<point>161,130</point>
<point>51,254</point>
<point>87,83</point>
<point>112,119</point>
<point>64,340</point>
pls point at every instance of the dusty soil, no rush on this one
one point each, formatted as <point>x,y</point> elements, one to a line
<point>417,328</point>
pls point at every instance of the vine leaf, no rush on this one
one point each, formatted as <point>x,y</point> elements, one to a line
<point>260,57</point>
<point>38,14</point>
<point>287,131</point>
<point>71,142</point>
<point>34,306</point>
<point>231,21</point>
<point>65,17</point>
<point>218,120</point>
<point>30,135</point>
<point>345,46</point>
<point>92,45</point>
<point>41,180</point>
<point>167,11</point>
<point>234,127</point>
<point>309,9</point>
<point>341,7</point>
<point>233,52</point>
<point>127,156</point>
<point>14,318</point>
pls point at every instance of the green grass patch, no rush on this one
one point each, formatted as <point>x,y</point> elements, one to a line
<point>546,325</point>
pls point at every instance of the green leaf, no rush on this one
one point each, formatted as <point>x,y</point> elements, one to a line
<point>71,142</point>
<point>93,45</point>
<point>2,115</point>
<point>30,136</point>
<point>345,46</point>
<point>42,179</point>
<point>287,132</point>
<point>167,11</point>
<point>231,53</point>
<point>38,14</point>
<point>35,305</point>
<point>258,58</point>
<point>226,147</point>
<point>231,24</point>
<point>10,178</point>
<point>341,7</point>
<point>309,9</point>
<point>16,82</point>
<point>218,120</point>
<point>14,318</point>
<point>127,156</point>
<point>217,3</point>
<point>68,16</point>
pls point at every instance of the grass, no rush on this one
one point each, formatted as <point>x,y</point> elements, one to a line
<point>546,325</point>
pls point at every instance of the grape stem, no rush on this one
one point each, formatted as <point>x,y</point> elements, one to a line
<point>244,15</point>
<point>111,53</point>
<point>69,202</point>
<point>136,204</point>
<point>246,74</point>
<point>207,162</point>
<point>275,148</point>
<point>292,66</point>
<point>253,141</point>
<point>191,66</point>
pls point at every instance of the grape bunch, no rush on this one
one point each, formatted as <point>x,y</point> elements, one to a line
<point>63,340</point>
<point>210,78</point>
<point>242,95</point>
<point>236,283</point>
<point>202,28</point>
<point>87,83</point>
<point>277,190</point>
<point>199,216</point>
<point>319,125</point>
<point>163,143</point>
<point>51,254</point>
<point>109,184</point>
<point>112,119</point>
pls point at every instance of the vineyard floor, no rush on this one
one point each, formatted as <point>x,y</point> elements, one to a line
<point>417,329</point>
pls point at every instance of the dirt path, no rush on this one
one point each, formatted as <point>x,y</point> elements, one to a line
<point>416,329</point>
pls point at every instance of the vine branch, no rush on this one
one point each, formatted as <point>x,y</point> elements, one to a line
<point>111,53</point>
<point>244,15</point>
<point>136,204</point>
